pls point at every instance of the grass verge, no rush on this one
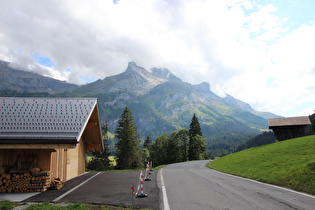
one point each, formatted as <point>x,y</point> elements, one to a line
<point>289,164</point>
<point>6,205</point>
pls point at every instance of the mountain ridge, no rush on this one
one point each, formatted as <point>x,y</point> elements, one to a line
<point>161,102</point>
<point>21,80</point>
<point>170,103</point>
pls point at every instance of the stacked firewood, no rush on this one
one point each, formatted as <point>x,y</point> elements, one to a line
<point>40,180</point>
<point>56,184</point>
<point>15,182</point>
<point>34,181</point>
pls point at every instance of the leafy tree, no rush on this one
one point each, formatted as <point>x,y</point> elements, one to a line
<point>173,148</point>
<point>128,145</point>
<point>159,150</point>
<point>183,135</point>
<point>100,161</point>
<point>178,146</point>
<point>197,145</point>
<point>197,148</point>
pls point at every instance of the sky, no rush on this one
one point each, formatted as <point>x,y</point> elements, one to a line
<point>261,52</point>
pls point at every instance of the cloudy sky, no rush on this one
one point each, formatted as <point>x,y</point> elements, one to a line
<point>261,52</point>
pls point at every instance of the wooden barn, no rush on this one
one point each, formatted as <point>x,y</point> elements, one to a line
<point>288,128</point>
<point>50,134</point>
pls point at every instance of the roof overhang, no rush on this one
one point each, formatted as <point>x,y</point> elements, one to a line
<point>50,123</point>
<point>288,122</point>
<point>37,146</point>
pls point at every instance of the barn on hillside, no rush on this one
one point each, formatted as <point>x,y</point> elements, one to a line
<point>50,134</point>
<point>288,128</point>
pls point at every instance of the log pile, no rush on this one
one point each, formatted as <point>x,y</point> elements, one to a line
<point>33,181</point>
<point>56,184</point>
<point>40,180</point>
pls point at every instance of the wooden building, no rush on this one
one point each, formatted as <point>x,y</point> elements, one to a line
<point>288,128</point>
<point>48,133</point>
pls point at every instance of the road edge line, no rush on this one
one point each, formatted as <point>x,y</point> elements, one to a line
<point>165,199</point>
<point>66,193</point>
<point>270,185</point>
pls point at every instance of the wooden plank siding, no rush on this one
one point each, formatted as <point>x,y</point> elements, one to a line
<point>22,160</point>
<point>288,128</point>
<point>58,164</point>
<point>68,163</point>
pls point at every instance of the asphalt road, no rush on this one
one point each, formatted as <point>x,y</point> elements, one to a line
<point>191,185</point>
<point>110,188</point>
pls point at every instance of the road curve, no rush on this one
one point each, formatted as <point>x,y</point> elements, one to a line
<point>191,185</point>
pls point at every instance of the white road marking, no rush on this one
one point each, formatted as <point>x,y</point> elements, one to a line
<point>66,193</point>
<point>165,200</point>
<point>251,180</point>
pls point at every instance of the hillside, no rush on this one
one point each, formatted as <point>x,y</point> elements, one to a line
<point>21,80</point>
<point>289,163</point>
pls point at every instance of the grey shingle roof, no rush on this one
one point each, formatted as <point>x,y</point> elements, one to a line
<point>44,119</point>
<point>290,121</point>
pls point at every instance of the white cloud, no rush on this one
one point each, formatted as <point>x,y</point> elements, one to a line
<point>239,47</point>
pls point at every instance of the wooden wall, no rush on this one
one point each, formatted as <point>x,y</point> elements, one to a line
<point>63,163</point>
<point>288,132</point>
<point>15,160</point>
<point>76,160</point>
<point>58,164</point>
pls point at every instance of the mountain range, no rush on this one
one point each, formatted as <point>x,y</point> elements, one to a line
<point>159,101</point>
<point>21,80</point>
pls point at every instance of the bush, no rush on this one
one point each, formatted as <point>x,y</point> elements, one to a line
<point>97,165</point>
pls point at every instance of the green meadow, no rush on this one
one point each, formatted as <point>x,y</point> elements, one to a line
<point>289,164</point>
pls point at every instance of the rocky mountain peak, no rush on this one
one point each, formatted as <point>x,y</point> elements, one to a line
<point>203,87</point>
<point>138,80</point>
<point>134,68</point>
<point>165,74</point>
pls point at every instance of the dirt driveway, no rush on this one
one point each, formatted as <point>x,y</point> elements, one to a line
<point>110,188</point>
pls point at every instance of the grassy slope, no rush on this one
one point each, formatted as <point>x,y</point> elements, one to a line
<point>289,163</point>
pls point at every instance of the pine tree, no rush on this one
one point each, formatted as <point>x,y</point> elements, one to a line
<point>146,150</point>
<point>197,145</point>
<point>106,152</point>
<point>147,143</point>
<point>194,127</point>
<point>128,145</point>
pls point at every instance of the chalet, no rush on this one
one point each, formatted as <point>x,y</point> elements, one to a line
<point>48,133</point>
<point>288,128</point>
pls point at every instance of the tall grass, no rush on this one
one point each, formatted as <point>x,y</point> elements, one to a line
<point>289,163</point>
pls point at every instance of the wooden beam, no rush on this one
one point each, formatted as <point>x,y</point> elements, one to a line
<point>93,148</point>
<point>37,146</point>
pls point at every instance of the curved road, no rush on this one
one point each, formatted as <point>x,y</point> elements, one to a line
<point>191,185</point>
